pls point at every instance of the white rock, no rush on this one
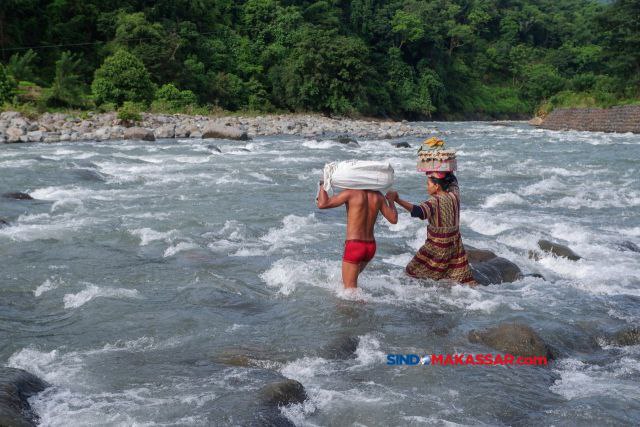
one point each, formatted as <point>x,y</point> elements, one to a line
<point>165,131</point>
<point>14,134</point>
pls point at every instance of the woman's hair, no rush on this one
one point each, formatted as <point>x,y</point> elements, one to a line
<point>445,182</point>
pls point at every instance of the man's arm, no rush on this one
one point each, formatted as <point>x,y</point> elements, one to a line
<point>415,210</point>
<point>326,202</point>
<point>388,209</point>
<point>393,196</point>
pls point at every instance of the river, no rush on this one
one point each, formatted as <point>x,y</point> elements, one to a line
<point>142,267</point>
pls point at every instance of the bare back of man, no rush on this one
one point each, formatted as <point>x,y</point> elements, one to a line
<point>362,212</point>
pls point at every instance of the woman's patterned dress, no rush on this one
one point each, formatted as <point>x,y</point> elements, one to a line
<point>442,256</point>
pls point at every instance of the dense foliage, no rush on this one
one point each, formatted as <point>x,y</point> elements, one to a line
<point>400,58</point>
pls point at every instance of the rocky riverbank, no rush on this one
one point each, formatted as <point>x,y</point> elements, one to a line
<point>55,127</point>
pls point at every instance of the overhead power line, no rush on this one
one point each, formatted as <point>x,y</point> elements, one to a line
<point>50,46</point>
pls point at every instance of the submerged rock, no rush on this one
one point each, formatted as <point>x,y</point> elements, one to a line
<point>629,246</point>
<point>17,196</point>
<point>630,336</point>
<point>139,133</point>
<point>343,347</point>
<point>513,338</point>
<point>214,148</point>
<point>402,145</point>
<point>490,269</point>
<point>555,249</point>
<point>217,130</point>
<point>90,175</point>
<point>4,223</point>
<point>347,140</point>
<point>282,393</point>
<point>16,386</point>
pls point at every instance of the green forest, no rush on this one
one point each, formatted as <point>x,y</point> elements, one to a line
<point>451,59</point>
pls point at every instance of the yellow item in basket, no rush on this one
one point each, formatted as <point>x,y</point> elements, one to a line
<point>433,157</point>
<point>434,142</point>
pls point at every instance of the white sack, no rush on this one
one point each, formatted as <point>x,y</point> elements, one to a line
<point>358,175</point>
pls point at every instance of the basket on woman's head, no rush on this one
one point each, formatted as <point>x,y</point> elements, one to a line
<point>433,157</point>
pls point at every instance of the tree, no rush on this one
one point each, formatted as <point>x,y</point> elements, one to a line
<point>67,88</point>
<point>122,77</point>
<point>407,26</point>
<point>20,66</point>
<point>620,29</point>
<point>324,72</point>
<point>149,42</point>
<point>7,85</point>
<point>174,98</point>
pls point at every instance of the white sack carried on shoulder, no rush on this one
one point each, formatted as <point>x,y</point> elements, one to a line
<point>358,175</point>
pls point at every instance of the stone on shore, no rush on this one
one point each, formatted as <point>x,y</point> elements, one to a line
<point>181,132</point>
<point>165,132</point>
<point>14,134</point>
<point>53,127</point>
<point>16,387</point>
<point>283,393</point>
<point>139,133</point>
<point>513,338</point>
<point>536,121</point>
<point>217,130</point>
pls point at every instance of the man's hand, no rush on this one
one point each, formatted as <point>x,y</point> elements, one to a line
<point>392,196</point>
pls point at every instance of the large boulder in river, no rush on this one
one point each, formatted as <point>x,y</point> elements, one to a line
<point>282,393</point>
<point>490,269</point>
<point>16,387</point>
<point>342,347</point>
<point>139,133</point>
<point>555,249</point>
<point>218,130</point>
<point>513,338</point>
<point>475,255</point>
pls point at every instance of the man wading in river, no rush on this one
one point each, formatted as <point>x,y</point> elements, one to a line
<point>362,211</point>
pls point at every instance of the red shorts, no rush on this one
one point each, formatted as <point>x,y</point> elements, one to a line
<point>357,251</point>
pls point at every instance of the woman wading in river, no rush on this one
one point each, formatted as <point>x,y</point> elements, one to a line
<point>443,255</point>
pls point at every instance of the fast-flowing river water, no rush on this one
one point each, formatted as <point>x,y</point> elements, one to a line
<point>144,271</point>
